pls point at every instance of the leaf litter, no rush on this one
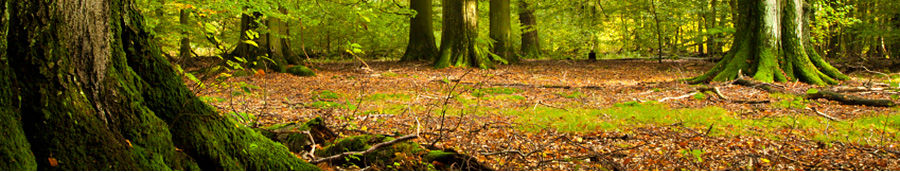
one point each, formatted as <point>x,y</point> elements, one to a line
<point>466,110</point>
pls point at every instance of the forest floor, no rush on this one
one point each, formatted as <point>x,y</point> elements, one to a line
<point>581,115</point>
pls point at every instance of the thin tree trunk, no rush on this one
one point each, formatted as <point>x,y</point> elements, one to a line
<point>531,45</point>
<point>98,95</point>
<point>659,40</point>
<point>712,47</point>
<point>500,29</point>
<point>421,44</point>
<point>185,50</point>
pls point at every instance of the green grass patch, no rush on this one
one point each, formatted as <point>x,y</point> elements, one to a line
<point>627,115</point>
<point>495,91</point>
<point>328,104</point>
<point>787,101</point>
<point>387,96</point>
<point>327,95</point>
<point>571,95</point>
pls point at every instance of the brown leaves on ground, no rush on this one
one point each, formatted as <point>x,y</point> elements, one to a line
<point>476,128</point>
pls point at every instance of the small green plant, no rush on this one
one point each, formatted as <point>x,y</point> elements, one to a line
<point>327,95</point>
<point>700,96</point>
<point>328,104</point>
<point>695,155</point>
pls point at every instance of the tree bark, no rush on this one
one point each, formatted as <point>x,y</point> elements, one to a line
<point>278,46</point>
<point>712,47</point>
<point>500,29</point>
<point>768,47</point>
<point>458,44</point>
<point>531,45</point>
<point>185,50</point>
<point>96,94</point>
<point>421,44</point>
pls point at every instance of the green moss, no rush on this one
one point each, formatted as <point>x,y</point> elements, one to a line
<point>241,73</point>
<point>495,91</point>
<point>301,71</point>
<point>387,96</point>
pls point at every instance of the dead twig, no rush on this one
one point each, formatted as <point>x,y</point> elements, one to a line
<point>822,114</point>
<point>371,149</point>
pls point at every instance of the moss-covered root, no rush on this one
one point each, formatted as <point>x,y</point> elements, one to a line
<point>289,134</point>
<point>399,156</point>
<point>301,71</point>
<point>15,151</point>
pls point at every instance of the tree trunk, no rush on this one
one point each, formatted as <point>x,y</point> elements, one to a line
<point>531,45</point>
<point>243,49</point>
<point>278,46</point>
<point>421,44</point>
<point>96,94</point>
<point>15,150</point>
<point>768,47</point>
<point>458,44</point>
<point>712,47</point>
<point>185,50</point>
<point>500,29</point>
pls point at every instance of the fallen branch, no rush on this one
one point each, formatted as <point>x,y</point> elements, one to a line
<point>851,100</point>
<point>823,114</point>
<point>855,89</point>
<point>679,97</point>
<point>371,149</point>
<point>713,90</point>
<point>845,99</point>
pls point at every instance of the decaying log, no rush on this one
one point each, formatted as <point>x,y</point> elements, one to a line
<point>829,95</point>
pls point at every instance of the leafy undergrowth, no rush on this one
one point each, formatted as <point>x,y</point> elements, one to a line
<point>579,115</point>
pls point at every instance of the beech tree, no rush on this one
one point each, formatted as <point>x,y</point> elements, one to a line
<point>500,29</point>
<point>421,44</point>
<point>91,91</point>
<point>531,45</point>
<point>458,39</point>
<point>769,47</point>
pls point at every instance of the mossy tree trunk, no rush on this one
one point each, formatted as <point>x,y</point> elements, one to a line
<point>458,39</point>
<point>421,44</point>
<point>15,150</point>
<point>500,29</point>
<point>768,46</point>
<point>95,93</point>
<point>278,45</point>
<point>531,45</point>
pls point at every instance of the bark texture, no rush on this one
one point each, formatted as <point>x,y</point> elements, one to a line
<point>96,94</point>
<point>421,44</point>
<point>184,52</point>
<point>531,44</point>
<point>500,29</point>
<point>458,44</point>
<point>768,46</point>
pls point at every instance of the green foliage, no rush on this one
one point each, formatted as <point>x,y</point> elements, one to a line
<point>328,104</point>
<point>383,96</point>
<point>696,155</point>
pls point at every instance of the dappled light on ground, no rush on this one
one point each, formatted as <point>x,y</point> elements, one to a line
<point>578,115</point>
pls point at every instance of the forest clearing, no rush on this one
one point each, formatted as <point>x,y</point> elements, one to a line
<point>579,115</point>
<point>449,85</point>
